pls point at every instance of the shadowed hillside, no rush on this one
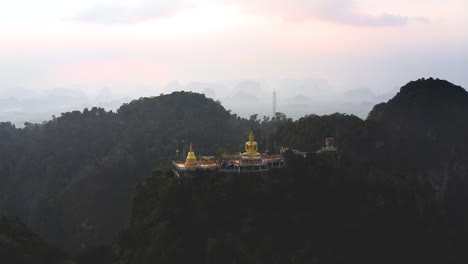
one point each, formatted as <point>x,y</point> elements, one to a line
<point>395,188</point>
<point>21,246</point>
<point>71,179</point>
<point>390,195</point>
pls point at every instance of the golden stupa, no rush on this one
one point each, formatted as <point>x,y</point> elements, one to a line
<point>251,147</point>
<point>191,160</point>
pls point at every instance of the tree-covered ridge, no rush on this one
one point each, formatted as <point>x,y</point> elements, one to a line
<point>317,210</point>
<point>394,193</point>
<point>425,108</point>
<point>72,180</point>
<point>428,118</point>
<point>308,133</point>
<point>21,246</point>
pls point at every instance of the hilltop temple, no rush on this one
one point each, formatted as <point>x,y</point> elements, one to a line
<point>249,161</point>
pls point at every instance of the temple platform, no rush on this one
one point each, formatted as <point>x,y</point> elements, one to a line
<point>249,161</point>
<point>232,164</point>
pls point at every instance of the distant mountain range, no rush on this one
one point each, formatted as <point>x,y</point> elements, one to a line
<point>296,98</point>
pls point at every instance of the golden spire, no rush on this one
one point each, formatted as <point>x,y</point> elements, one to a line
<point>191,160</point>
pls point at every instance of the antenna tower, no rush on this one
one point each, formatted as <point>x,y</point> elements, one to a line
<point>274,103</point>
<point>274,123</point>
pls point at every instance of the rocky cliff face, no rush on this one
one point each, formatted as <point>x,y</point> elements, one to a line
<point>426,133</point>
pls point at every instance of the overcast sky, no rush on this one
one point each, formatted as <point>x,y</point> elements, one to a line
<point>379,44</point>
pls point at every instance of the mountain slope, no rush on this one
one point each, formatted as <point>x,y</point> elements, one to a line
<point>19,245</point>
<point>395,192</point>
<point>430,108</point>
<point>71,179</point>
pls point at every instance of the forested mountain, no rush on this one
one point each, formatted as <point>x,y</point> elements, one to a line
<point>394,192</point>
<point>71,179</point>
<point>313,211</point>
<point>21,246</point>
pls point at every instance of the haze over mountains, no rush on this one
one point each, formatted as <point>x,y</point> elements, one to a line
<point>100,101</point>
<point>394,192</point>
<point>295,98</point>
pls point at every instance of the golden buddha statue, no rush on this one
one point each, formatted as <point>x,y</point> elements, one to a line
<point>251,147</point>
<point>191,160</point>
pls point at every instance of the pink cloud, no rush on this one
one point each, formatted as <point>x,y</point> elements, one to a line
<point>336,11</point>
<point>117,13</point>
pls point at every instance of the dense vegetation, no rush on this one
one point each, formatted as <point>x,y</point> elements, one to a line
<point>394,192</point>
<point>21,246</point>
<point>310,212</point>
<point>71,179</point>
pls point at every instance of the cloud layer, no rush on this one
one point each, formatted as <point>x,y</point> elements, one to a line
<point>336,11</point>
<point>117,12</point>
